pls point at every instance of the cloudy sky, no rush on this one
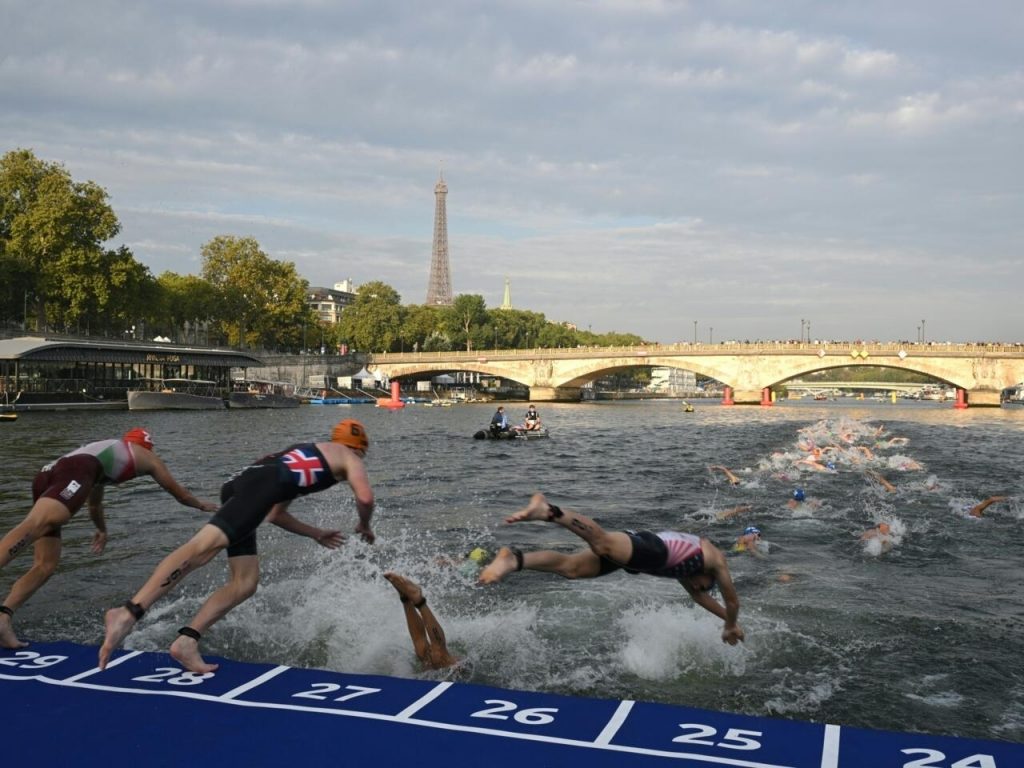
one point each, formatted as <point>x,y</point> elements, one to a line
<point>629,165</point>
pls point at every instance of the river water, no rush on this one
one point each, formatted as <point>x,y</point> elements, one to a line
<point>924,637</point>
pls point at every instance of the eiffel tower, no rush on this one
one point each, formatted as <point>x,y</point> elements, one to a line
<point>439,292</point>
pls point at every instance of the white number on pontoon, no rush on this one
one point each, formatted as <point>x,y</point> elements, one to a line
<point>35,661</point>
<point>529,716</point>
<point>734,738</point>
<point>935,759</point>
<point>173,676</point>
<point>321,688</point>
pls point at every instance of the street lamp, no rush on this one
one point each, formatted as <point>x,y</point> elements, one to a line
<point>808,331</point>
<point>802,321</point>
<point>922,330</point>
<point>694,331</point>
<point>711,332</point>
<point>919,333</point>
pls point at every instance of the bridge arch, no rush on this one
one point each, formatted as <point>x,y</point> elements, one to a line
<point>981,370</point>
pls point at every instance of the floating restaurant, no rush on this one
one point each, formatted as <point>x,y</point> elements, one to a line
<point>55,373</point>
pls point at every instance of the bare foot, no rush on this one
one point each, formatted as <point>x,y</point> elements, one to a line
<point>119,623</point>
<point>501,566</point>
<point>537,509</point>
<point>185,650</point>
<point>7,637</point>
<point>410,590</point>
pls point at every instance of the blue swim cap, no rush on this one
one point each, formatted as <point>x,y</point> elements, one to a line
<point>831,465</point>
<point>751,529</point>
<point>798,494</point>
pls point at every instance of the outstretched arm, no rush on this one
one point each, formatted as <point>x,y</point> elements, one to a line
<point>733,480</point>
<point>282,518</point>
<point>95,501</point>
<point>977,509</point>
<point>153,466</point>
<point>714,563</point>
<point>359,482</point>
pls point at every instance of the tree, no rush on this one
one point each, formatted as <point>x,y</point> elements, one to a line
<point>186,301</point>
<point>99,291</point>
<point>260,301</point>
<point>50,227</point>
<point>420,323</point>
<point>373,322</point>
<point>467,312</point>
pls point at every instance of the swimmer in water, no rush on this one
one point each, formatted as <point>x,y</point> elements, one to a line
<point>978,509</point>
<point>428,640</point>
<point>692,560</point>
<point>726,514</point>
<point>881,533</point>
<point>749,541</point>
<point>881,481</point>
<point>733,480</point>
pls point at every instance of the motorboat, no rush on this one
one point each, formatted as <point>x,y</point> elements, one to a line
<point>256,393</point>
<point>175,394</point>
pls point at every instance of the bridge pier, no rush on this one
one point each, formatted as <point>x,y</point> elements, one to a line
<point>748,397</point>
<point>555,394</point>
<point>981,397</point>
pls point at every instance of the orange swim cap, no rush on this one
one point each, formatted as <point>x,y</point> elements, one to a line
<point>139,436</point>
<point>351,433</point>
<point>883,527</point>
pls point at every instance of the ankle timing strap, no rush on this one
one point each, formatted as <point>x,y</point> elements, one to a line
<point>136,610</point>
<point>518,553</point>
<point>5,609</point>
<point>189,632</point>
<point>555,512</point>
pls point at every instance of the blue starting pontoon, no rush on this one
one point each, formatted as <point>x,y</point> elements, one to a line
<point>57,708</point>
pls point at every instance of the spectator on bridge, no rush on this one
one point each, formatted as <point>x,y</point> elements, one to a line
<point>262,491</point>
<point>692,560</point>
<point>59,490</point>
<point>532,419</point>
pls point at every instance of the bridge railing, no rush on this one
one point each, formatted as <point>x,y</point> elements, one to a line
<point>830,348</point>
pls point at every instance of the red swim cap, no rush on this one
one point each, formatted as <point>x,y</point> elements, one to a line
<point>139,436</point>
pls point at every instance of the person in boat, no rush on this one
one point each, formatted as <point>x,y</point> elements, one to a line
<point>696,563</point>
<point>261,491</point>
<point>499,421</point>
<point>428,639</point>
<point>532,419</point>
<point>59,490</point>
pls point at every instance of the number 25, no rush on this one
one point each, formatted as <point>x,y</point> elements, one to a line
<point>734,738</point>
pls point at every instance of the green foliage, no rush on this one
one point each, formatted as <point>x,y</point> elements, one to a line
<point>373,322</point>
<point>52,231</point>
<point>259,301</point>
<point>464,319</point>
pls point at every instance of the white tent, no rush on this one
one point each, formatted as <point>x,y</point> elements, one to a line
<point>364,377</point>
<point>444,378</point>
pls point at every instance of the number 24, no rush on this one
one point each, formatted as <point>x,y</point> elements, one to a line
<point>933,759</point>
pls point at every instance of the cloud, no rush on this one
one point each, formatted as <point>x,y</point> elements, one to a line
<point>628,165</point>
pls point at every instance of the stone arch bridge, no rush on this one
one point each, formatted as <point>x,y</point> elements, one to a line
<point>749,371</point>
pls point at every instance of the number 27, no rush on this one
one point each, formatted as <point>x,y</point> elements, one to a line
<point>734,738</point>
